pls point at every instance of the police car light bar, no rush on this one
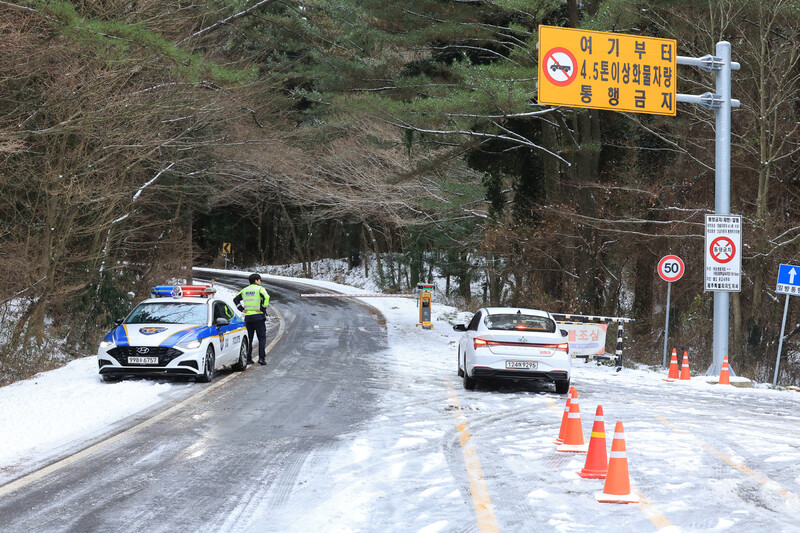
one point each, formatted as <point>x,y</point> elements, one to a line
<point>178,291</point>
<point>198,290</point>
<point>166,290</point>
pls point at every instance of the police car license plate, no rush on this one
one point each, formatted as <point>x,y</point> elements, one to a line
<point>522,365</point>
<point>142,360</point>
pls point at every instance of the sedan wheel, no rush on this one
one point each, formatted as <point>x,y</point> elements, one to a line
<point>208,367</point>
<point>241,364</point>
<point>469,383</point>
<point>562,386</point>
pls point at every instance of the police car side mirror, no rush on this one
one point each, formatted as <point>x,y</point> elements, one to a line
<point>119,321</point>
<point>222,322</point>
<point>564,333</point>
<point>460,327</point>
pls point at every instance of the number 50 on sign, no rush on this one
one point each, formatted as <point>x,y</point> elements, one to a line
<point>671,268</point>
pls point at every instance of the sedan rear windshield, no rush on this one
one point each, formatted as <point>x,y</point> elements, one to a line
<point>169,313</point>
<point>520,322</point>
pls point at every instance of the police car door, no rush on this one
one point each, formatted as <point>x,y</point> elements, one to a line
<point>230,335</point>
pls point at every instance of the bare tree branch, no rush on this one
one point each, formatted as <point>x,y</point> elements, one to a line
<point>226,20</point>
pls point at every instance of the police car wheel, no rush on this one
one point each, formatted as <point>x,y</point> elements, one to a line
<point>241,364</point>
<point>208,367</point>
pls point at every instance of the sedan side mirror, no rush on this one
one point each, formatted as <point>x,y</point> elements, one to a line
<point>222,322</point>
<point>460,327</point>
<point>119,321</point>
<point>564,333</point>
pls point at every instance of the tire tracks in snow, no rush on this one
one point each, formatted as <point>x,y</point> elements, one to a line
<point>789,496</point>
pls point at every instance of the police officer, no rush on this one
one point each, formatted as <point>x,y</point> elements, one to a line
<point>253,301</point>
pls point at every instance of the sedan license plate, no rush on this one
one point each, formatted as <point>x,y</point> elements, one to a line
<point>142,360</point>
<point>522,365</point>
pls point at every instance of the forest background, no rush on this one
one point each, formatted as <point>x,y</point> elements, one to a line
<point>138,136</point>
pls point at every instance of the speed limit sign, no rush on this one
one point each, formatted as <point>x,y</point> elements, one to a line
<point>670,268</point>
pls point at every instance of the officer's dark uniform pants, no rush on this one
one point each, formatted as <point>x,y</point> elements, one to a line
<point>257,324</point>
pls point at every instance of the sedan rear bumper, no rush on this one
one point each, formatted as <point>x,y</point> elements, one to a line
<point>522,375</point>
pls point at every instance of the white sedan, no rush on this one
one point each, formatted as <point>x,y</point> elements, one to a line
<point>513,344</point>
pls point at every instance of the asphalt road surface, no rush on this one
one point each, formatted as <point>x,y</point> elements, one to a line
<point>207,461</point>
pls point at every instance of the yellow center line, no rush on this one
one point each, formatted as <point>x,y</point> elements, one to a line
<point>760,478</point>
<point>86,452</point>
<point>652,514</point>
<point>58,465</point>
<point>484,510</point>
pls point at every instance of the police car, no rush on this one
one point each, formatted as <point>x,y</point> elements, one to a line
<point>182,330</point>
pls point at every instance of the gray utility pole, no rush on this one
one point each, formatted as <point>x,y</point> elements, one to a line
<point>721,103</point>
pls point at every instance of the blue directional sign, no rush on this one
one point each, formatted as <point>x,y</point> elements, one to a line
<point>788,279</point>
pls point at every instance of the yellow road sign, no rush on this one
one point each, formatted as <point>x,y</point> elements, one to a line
<point>226,247</point>
<point>605,70</point>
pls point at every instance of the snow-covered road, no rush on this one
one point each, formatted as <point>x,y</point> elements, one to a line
<point>438,458</point>
<point>702,457</point>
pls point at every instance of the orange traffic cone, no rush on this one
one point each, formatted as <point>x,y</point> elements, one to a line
<point>573,435</point>
<point>563,430</point>
<point>725,373</point>
<point>596,465</point>
<point>685,367</point>
<point>618,486</point>
<point>673,366</point>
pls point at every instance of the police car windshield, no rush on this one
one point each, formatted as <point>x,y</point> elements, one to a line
<point>520,322</point>
<point>169,313</point>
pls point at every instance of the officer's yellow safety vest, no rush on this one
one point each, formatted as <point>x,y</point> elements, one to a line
<point>252,296</point>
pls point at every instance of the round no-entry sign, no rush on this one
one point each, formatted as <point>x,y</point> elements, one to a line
<point>722,249</point>
<point>670,268</point>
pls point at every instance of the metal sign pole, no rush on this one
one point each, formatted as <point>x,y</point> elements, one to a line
<point>722,198</point>
<point>780,342</point>
<point>666,325</point>
<point>721,103</point>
